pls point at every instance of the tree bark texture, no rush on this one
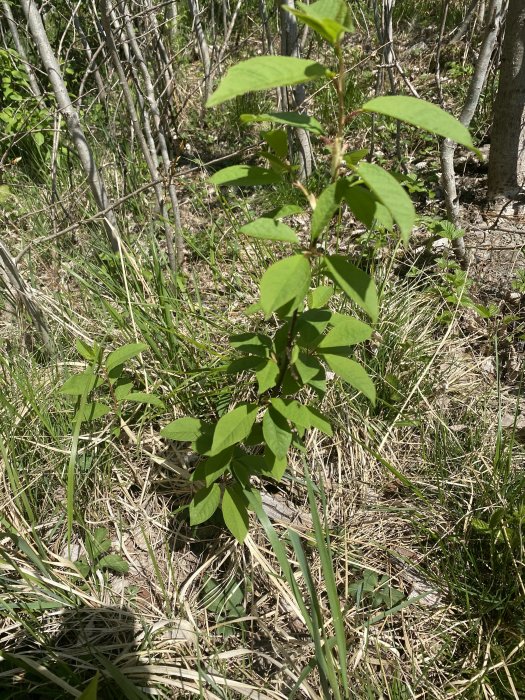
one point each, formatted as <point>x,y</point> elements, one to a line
<point>507,145</point>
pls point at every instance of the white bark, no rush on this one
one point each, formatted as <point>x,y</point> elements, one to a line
<point>33,82</point>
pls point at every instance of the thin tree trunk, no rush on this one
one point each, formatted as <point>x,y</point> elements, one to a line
<point>290,47</point>
<point>92,67</point>
<point>94,178</point>
<point>176,246</point>
<point>204,49</point>
<point>448,147</point>
<point>507,146</point>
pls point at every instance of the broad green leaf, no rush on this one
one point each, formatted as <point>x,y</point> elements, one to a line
<point>91,411</point>
<point>355,283</point>
<point>273,466</point>
<point>243,364</point>
<point>388,190</point>
<point>291,409</point>
<point>277,433</point>
<point>366,207</point>
<point>253,343</point>
<point>114,562</point>
<point>353,373</point>
<point>256,435</point>
<point>122,388</point>
<point>244,175</point>
<point>311,325</point>
<point>269,230</point>
<point>346,331</point>
<point>282,212</point>
<point>295,119</point>
<point>354,157</point>
<point>309,368</point>
<point>327,204</point>
<point>278,165</point>
<point>235,512</point>
<point>422,114</point>
<point>329,18</point>
<point>319,421</point>
<point>320,296</point>
<point>85,350</point>
<point>142,397</point>
<point>90,692</point>
<point>79,384</point>
<point>277,139</point>
<point>213,468</point>
<point>233,427</point>
<point>204,504</point>
<point>267,375</point>
<point>184,429</point>
<point>265,73</point>
<point>285,284</point>
<point>123,354</point>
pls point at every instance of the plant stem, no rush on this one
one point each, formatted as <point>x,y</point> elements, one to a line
<point>338,147</point>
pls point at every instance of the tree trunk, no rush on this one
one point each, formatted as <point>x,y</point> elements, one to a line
<point>507,145</point>
<point>38,32</point>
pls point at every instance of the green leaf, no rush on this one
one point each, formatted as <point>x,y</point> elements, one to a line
<point>122,388</point>
<point>213,468</point>
<point>90,692</point>
<point>354,157</point>
<point>142,397</point>
<point>204,504</point>
<point>85,350</point>
<point>184,429</point>
<point>285,284</point>
<point>355,283</point>
<point>353,373</point>
<point>329,18</point>
<point>265,73</point>
<point>277,139</point>
<point>282,212</point>
<point>422,114</point>
<point>123,354</point>
<point>309,368</point>
<point>366,207</point>
<point>346,331</point>
<point>311,325</point>
<point>327,204</point>
<point>277,433</point>
<point>243,364</point>
<point>114,562</point>
<point>273,466</point>
<point>38,138</point>
<point>267,375</point>
<point>91,411</point>
<point>319,420</point>
<point>233,427</point>
<point>79,384</point>
<point>253,343</point>
<point>388,190</point>
<point>295,119</point>
<point>320,296</point>
<point>244,175</point>
<point>256,436</point>
<point>269,230</point>
<point>235,512</point>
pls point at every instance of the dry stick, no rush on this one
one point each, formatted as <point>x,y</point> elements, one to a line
<point>92,66</point>
<point>444,13</point>
<point>33,82</point>
<point>94,178</point>
<point>148,151</point>
<point>227,36</point>
<point>448,147</point>
<point>267,32</point>
<point>166,162</point>
<point>18,289</point>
